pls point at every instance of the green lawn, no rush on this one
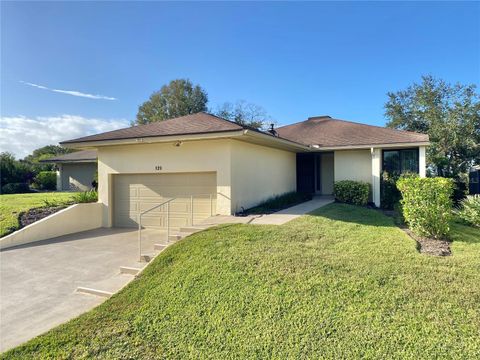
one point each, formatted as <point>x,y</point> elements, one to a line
<point>342,283</point>
<point>13,204</point>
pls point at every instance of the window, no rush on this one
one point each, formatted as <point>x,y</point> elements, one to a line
<point>400,161</point>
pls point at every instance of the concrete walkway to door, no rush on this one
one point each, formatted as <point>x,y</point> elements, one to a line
<point>38,280</point>
<point>277,218</point>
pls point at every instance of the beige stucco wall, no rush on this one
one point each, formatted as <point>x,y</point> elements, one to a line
<point>260,172</point>
<point>246,173</point>
<point>191,156</point>
<point>77,176</point>
<point>353,165</point>
<point>78,217</point>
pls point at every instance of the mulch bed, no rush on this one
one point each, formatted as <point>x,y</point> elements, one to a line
<point>435,247</point>
<point>32,215</point>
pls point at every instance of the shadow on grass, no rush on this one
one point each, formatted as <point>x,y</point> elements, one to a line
<point>354,214</point>
<point>464,233</point>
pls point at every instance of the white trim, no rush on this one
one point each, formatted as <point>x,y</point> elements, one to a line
<point>422,162</point>
<point>376,171</point>
<point>384,146</point>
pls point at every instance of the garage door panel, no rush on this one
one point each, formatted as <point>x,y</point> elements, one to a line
<point>135,193</point>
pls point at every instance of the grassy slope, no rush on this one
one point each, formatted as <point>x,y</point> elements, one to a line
<point>13,204</point>
<point>344,283</point>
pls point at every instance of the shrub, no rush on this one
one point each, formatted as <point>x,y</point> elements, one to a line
<point>427,204</point>
<point>15,188</point>
<point>351,192</point>
<point>279,202</point>
<point>390,195</point>
<point>86,197</point>
<point>470,210</point>
<point>45,180</point>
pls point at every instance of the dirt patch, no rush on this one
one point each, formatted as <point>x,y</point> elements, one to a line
<point>435,247</point>
<point>32,215</point>
<point>428,246</point>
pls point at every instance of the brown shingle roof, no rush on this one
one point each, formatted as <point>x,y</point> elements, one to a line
<point>84,155</point>
<point>327,132</point>
<point>199,123</point>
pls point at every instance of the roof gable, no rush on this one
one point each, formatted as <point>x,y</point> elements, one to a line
<point>327,132</point>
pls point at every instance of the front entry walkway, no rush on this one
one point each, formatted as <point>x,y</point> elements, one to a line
<point>38,281</point>
<point>278,218</point>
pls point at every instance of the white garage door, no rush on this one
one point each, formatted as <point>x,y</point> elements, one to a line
<point>135,193</point>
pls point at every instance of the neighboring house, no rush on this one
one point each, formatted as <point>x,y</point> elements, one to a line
<point>222,167</point>
<point>75,171</point>
<point>474,180</point>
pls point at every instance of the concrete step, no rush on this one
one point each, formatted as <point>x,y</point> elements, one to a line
<point>193,229</point>
<point>159,247</point>
<point>91,291</point>
<point>146,258</point>
<point>129,270</point>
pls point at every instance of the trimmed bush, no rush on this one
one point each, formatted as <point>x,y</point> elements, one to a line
<point>470,210</point>
<point>351,192</point>
<point>45,180</point>
<point>427,204</point>
<point>15,188</point>
<point>86,197</point>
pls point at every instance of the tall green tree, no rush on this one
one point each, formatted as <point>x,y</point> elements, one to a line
<point>449,114</point>
<point>44,153</point>
<point>180,97</point>
<point>244,113</point>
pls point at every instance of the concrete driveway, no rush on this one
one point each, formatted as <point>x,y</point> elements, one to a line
<point>38,280</point>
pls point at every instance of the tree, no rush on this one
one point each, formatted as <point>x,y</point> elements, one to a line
<point>244,113</point>
<point>180,97</point>
<point>43,153</point>
<point>13,171</point>
<point>449,114</point>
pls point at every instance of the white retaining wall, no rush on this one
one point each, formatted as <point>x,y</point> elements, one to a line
<point>75,218</point>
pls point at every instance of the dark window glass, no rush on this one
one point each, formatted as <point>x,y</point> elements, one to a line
<point>391,162</point>
<point>400,161</point>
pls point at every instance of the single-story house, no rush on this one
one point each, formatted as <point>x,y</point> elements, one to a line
<point>75,171</point>
<point>214,166</point>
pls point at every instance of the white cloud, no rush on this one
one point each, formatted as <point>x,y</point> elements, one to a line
<point>21,135</point>
<point>69,92</point>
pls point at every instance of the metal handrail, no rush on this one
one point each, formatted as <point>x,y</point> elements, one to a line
<point>211,198</point>
<point>140,224</point>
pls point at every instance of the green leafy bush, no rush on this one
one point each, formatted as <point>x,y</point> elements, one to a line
<point>470,210</point>
<point>15,188</point>
<point>351,192</point>
<point>86,197</point>
<point>427,204</point>
<point>389,193</point>
<point>45,180</point>
<point>279,202</point>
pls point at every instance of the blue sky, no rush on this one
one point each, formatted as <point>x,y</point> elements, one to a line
<point>294,59</point>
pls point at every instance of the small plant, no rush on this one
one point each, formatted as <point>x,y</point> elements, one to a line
<point>352,192</point>
<point>45,180</point>
<point>279,202</point>
<point>470,210</point>
<point>427,204</point>
<point>86,197</point>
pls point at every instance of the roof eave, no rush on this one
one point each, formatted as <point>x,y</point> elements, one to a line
<point>151,139</point>
<point>369,146</point>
